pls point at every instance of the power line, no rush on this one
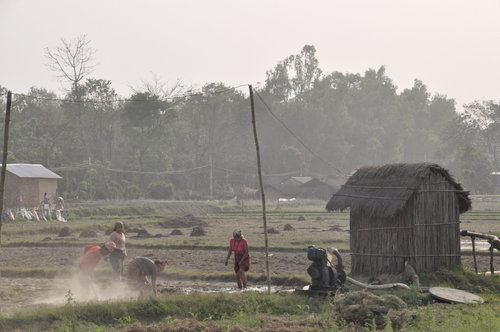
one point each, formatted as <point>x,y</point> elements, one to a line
<point>181,171</point>
<point>253,174</point>
<point>80,166</point>
<point>166,99</point>
<point>296,137</point>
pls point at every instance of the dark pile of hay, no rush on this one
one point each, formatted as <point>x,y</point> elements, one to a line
<point>198,231</point>
<point>143,232</point>
<point>88,233</point>
<point>301,218</point>
<point>288,227</point>
<point>65,231</point>
<point>336,228</point>
<point>272,230</point>
<point>183,222</point>
<point>363,309</point>
<point>176,232</point>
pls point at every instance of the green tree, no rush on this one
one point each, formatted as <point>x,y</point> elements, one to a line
<point>146,119</point>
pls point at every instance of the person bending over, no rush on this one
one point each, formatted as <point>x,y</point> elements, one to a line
<point>142,273</point>
<point>92,254</point>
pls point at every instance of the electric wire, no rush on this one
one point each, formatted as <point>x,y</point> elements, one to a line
<point>165,99</point>
<point>296,136</point>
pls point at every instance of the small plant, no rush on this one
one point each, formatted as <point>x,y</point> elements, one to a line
<point>124,321</point>
<point>303,307</point>
<point>70,298</point>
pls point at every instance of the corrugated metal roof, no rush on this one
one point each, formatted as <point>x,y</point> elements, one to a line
<point>36,171</point>
<point>302,179</point>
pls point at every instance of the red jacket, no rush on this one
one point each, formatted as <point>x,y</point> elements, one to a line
<point>91,256</point>
<point>240,248</point>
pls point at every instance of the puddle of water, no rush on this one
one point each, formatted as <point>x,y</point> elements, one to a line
<point>481,245</point>
<point>258,289</point>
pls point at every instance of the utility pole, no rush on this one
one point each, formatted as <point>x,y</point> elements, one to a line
<point>210,174</point>
<point>261,190</point>
<point>4,157</point>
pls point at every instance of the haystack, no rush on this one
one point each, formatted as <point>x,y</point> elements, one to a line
<point>198,231</point>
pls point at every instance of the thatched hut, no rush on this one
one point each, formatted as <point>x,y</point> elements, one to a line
<point>402,212</point>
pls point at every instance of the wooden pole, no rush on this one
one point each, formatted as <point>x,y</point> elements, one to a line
<point>261,189</point>
<point>492,268</point>
<point>4,157</point>
<point>473,239</point>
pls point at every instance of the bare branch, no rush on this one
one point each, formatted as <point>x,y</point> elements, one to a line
<point>73,60</point>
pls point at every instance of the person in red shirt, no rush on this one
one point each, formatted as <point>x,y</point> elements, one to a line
<point>239,245</point>
<point>92,254</point>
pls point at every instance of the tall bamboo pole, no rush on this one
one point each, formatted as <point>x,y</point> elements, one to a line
<point>261,189</point>
<point>4,157</point>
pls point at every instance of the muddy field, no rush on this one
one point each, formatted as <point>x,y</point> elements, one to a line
<point>18,294</point>
<point>22,293</point>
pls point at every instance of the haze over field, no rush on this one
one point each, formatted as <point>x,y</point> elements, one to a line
<point>338,85</point>
<point>452,46</point>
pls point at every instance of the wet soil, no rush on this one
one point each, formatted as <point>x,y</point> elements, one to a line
<point>17,294</point>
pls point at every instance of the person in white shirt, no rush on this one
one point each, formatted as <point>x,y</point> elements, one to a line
<point>118,255</point>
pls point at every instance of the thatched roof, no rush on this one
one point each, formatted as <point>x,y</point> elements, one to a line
<point>384,190</point>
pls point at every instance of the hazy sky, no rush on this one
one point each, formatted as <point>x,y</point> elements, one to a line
<point>453,46</point>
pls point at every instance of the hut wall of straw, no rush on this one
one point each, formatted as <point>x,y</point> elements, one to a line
<point>426,233</point>
<point>402,212</point>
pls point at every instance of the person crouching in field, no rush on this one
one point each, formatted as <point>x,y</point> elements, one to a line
<point>239,245</point>
<point>92,254</point>
<point>142,273</point>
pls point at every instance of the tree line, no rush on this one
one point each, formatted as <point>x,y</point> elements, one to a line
<point>174,143</point>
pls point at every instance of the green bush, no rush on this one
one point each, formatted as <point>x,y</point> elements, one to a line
<point>132,192</point>
<point>161,190</point>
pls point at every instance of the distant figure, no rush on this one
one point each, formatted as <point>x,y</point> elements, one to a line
<point>60,203</point>
<point>92,254</point>
<point>142,273</point>
<point>46,207</point>
<point>118,255</point>
<point>239,245</point>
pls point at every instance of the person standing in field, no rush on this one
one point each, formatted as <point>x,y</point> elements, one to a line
<point>239,245</point>
<point>118,255</point>
<point>142,273</point>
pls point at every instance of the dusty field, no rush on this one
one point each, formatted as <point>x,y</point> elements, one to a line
<point>18,294</point>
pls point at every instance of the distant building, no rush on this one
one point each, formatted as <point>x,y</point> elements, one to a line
<point>26,184</point>
<point>299,187</point>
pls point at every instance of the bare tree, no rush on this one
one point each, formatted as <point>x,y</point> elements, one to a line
<point>156,87</point>
<point>73,60</point>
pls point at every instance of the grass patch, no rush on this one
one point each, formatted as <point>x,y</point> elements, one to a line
<point>112,211</point>
<point>35,272</point>
<point>463,278</point>
<point>215,307</point>
<point>246,310</point>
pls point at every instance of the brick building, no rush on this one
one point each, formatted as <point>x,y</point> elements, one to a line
<point>25,185</point>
